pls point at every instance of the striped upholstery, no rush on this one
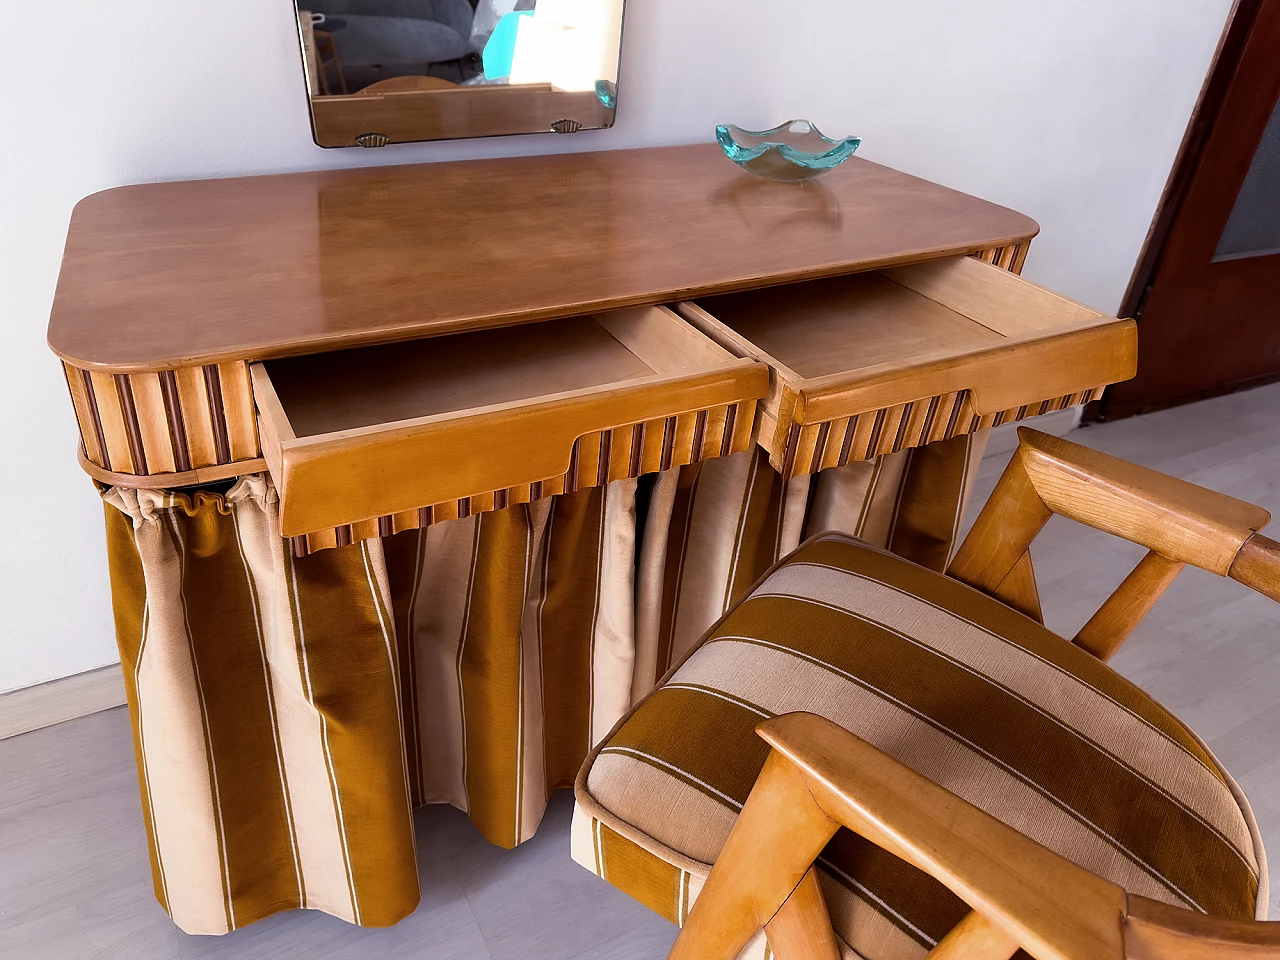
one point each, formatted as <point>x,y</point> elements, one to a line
<point>271,695</point>
<point>963,689</point>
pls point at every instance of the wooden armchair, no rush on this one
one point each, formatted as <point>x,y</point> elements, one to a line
<point>819,776</point>
<point>777,870</point>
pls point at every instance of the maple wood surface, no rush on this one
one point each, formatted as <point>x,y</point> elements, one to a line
<point>343,390</point>
<point>879,361</point>
<point>819,775</point>
<point>801,929</point>
<point>401,84</point>
<point>406,115</point>
<point>1257,565</point>
<point>185,478</point>
<point>846,323</point>
<point>1178,522</point>
<point>169,275</point>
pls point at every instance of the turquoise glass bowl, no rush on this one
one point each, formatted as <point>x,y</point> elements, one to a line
<point>793,151</point>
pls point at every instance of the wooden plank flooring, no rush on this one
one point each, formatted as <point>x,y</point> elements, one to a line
<point>74,879</point>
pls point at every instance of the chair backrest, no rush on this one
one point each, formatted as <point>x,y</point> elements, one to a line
<point>1178,522</point>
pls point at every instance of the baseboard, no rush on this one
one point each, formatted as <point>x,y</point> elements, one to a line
<point>45,704</point>
<point>1004,439</point>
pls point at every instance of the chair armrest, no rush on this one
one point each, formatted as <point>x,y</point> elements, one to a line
<point>1257,565</point>
<point>1178,520</point>
<point>1046,903</point>
<point>1158,931</point>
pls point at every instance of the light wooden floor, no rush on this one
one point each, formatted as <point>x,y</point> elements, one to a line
<point>74,879</point>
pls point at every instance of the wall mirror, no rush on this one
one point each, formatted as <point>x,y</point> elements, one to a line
<point>396,71</point>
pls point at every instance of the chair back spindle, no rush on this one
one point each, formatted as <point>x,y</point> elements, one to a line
<point>1121,612</point>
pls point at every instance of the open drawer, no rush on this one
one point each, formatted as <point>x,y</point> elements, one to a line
<point>873,363</point>
<point>367,442</point>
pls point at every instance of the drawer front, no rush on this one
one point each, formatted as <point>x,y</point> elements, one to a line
<point>810,447</point>
<point>366,481</point>
<point>595,459</point>
<point>469,461</point>
<point>833,424</point>
<point>1004,350</point>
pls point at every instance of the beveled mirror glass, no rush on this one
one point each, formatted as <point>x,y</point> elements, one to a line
<point>396,71</point>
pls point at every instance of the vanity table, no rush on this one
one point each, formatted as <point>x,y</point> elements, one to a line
<point>344,422</point>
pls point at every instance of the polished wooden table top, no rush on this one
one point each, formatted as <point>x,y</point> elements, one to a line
<point>169,275</point>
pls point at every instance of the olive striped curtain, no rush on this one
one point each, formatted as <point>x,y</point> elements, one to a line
<point>290,713</point>
<point>516,634</point>
<point>263,693</point>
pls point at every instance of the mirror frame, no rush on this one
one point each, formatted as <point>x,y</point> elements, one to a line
<point>390,116</point>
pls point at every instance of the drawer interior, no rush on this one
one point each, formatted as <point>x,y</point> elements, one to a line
<point>467,422</point>
<point>348,389</point>
<point>846,323</point>
<point>892,317</point>
<point>876,362</point>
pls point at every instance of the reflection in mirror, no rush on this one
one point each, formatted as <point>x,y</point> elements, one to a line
<point>394,71</point>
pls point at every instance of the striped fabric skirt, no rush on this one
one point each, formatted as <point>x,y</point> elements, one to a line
<point>289,714</point>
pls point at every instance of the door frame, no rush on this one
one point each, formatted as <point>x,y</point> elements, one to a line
<point>1222,71</point>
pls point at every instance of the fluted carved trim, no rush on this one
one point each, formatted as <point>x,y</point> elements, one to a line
<point>172,422</point>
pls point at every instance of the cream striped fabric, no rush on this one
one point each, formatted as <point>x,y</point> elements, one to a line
<point>263,695</point>
<point>518,640</point>
<point>713,529</point>
<point>952,683</point>
<point>271,695</point>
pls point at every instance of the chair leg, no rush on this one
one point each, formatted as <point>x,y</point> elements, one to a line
<point>801,929</point>
<point>779,834</point>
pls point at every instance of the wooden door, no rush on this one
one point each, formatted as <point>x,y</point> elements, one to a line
<point>1207,290</point>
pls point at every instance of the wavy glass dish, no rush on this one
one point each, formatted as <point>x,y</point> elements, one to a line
<point>796,150</point>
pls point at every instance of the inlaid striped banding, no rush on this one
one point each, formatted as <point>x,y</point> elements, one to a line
<point>598,458</point>
<point>171,421</point>
<point>1009,258</point>
<point>813,447</point>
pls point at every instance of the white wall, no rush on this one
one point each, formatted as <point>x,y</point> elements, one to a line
<point>1069,112</point>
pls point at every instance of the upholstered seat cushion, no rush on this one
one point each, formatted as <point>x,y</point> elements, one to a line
<point>958,686</point>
